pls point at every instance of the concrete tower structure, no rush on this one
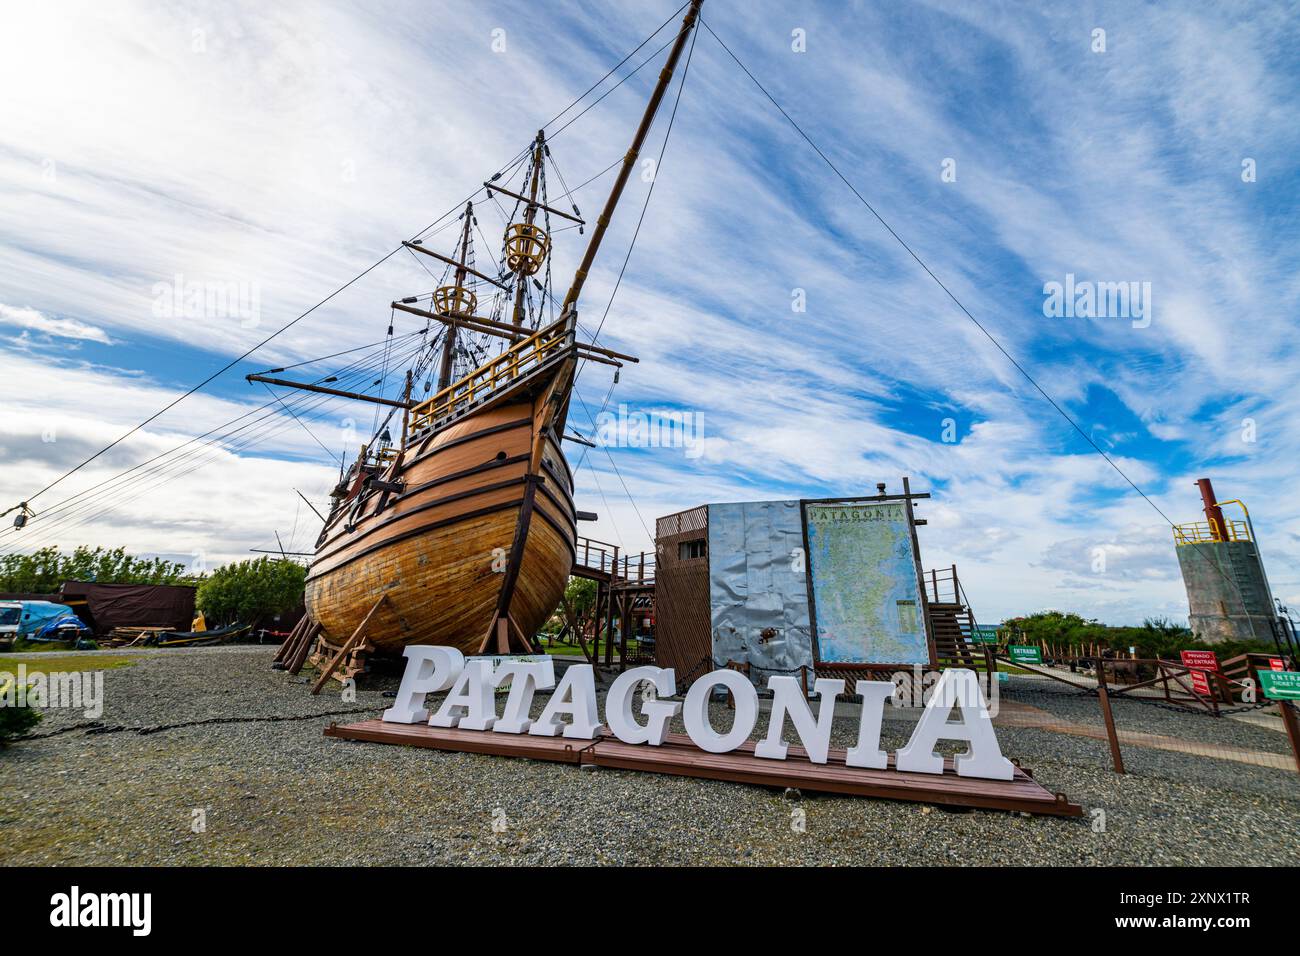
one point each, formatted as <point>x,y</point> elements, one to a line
<point>1228,594</point>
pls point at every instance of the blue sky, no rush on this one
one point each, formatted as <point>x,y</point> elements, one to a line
<point>287,149</point>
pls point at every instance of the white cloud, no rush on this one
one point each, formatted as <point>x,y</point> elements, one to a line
<point>294,145</point>
<point>31,319</point>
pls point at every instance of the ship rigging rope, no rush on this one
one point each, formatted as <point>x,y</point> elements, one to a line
<point>626,259</point>
<point>301,399</point>
<point>663,147</point>
<point>378,262</point>
<point>111,497</point>
<point>382,381</point>
<point>117,496</point>
<point>323,446</point>
<point>910,251</point>
<point>419,260</point>
<point>596,102</point>
<point>87,497</point>
<point>987,334</point>
<point>617,472</point>
<point>567,191</point>
<point>122,496</point>
<point>603,500</point>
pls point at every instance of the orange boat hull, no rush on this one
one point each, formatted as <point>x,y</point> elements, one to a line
<point>438,549</point>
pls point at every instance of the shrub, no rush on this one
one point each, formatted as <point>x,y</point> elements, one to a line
<point>14,721</point>
<point>1156,638</point>
<point>247,591</point>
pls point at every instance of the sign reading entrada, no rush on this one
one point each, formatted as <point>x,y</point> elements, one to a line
<point>470,704</point>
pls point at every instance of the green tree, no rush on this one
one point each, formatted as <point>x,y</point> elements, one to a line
<point>1158,637</point>
<point>246,591</point>
<point>581,594</point>
<point>45,570</point>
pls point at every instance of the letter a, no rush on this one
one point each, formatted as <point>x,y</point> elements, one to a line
<point>984,758</point>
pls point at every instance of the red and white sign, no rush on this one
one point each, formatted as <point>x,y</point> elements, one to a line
<point>1276,664</point>
<point>1207,661</point>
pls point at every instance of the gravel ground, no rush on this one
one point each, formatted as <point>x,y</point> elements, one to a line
<point>215,731</point>
<point>1148,714</point>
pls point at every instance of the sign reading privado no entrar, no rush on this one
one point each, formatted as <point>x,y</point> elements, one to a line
<point>470,704</point>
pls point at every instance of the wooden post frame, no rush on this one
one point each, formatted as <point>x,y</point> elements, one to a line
<point>350,643</point>
<point>1117,759</point>
<point>1292,724</point>
<point>299,657</point>
<point>291,641</point>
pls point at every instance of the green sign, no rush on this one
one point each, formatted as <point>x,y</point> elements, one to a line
<point>1025,654</point>
<point>1280,685</point>
<point>984,635</point>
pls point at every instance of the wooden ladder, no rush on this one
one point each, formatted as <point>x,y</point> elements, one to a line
<point>953,629</point>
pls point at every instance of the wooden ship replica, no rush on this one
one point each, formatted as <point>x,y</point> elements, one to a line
<point>462,531</point>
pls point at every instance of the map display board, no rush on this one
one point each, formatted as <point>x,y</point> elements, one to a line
<point>862,572</point>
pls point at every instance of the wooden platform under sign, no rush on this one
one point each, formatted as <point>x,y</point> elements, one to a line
<point>680,756</point>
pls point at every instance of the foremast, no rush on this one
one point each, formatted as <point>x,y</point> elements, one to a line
<point>456,301</point>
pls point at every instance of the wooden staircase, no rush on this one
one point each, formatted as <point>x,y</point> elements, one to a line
<point>953,623</point>
<point>953,628</point>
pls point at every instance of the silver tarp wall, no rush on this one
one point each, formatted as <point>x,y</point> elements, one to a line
<point>758,588</point>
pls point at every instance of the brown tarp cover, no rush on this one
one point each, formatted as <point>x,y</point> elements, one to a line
<point>130,605</point>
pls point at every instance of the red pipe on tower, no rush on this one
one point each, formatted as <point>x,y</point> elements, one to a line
<point>1213,513</point>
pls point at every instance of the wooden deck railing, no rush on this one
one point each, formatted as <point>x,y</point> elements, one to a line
<point>601,559</point>
<point>511,365</point>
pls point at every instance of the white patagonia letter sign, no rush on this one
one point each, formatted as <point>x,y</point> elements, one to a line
<point>526,678</point>
<point>787,698</point>
<point>618,705</point>
<point>696,714</point>
<point>470,704</point>
<point>576,697</point>
<point>429,670</point>
<point>959,688</point>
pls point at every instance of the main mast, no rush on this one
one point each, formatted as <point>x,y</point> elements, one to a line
<point>526,244</point>
<point>568,311</point>
<point>550,420</point>
<point>526,247</point>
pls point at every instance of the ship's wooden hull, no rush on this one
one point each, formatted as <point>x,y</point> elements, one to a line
<point>439,549</point>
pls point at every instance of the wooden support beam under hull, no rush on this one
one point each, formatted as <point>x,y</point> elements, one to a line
<point>347,646</point>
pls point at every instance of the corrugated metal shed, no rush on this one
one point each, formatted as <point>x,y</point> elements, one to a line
<point>758,592</point>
